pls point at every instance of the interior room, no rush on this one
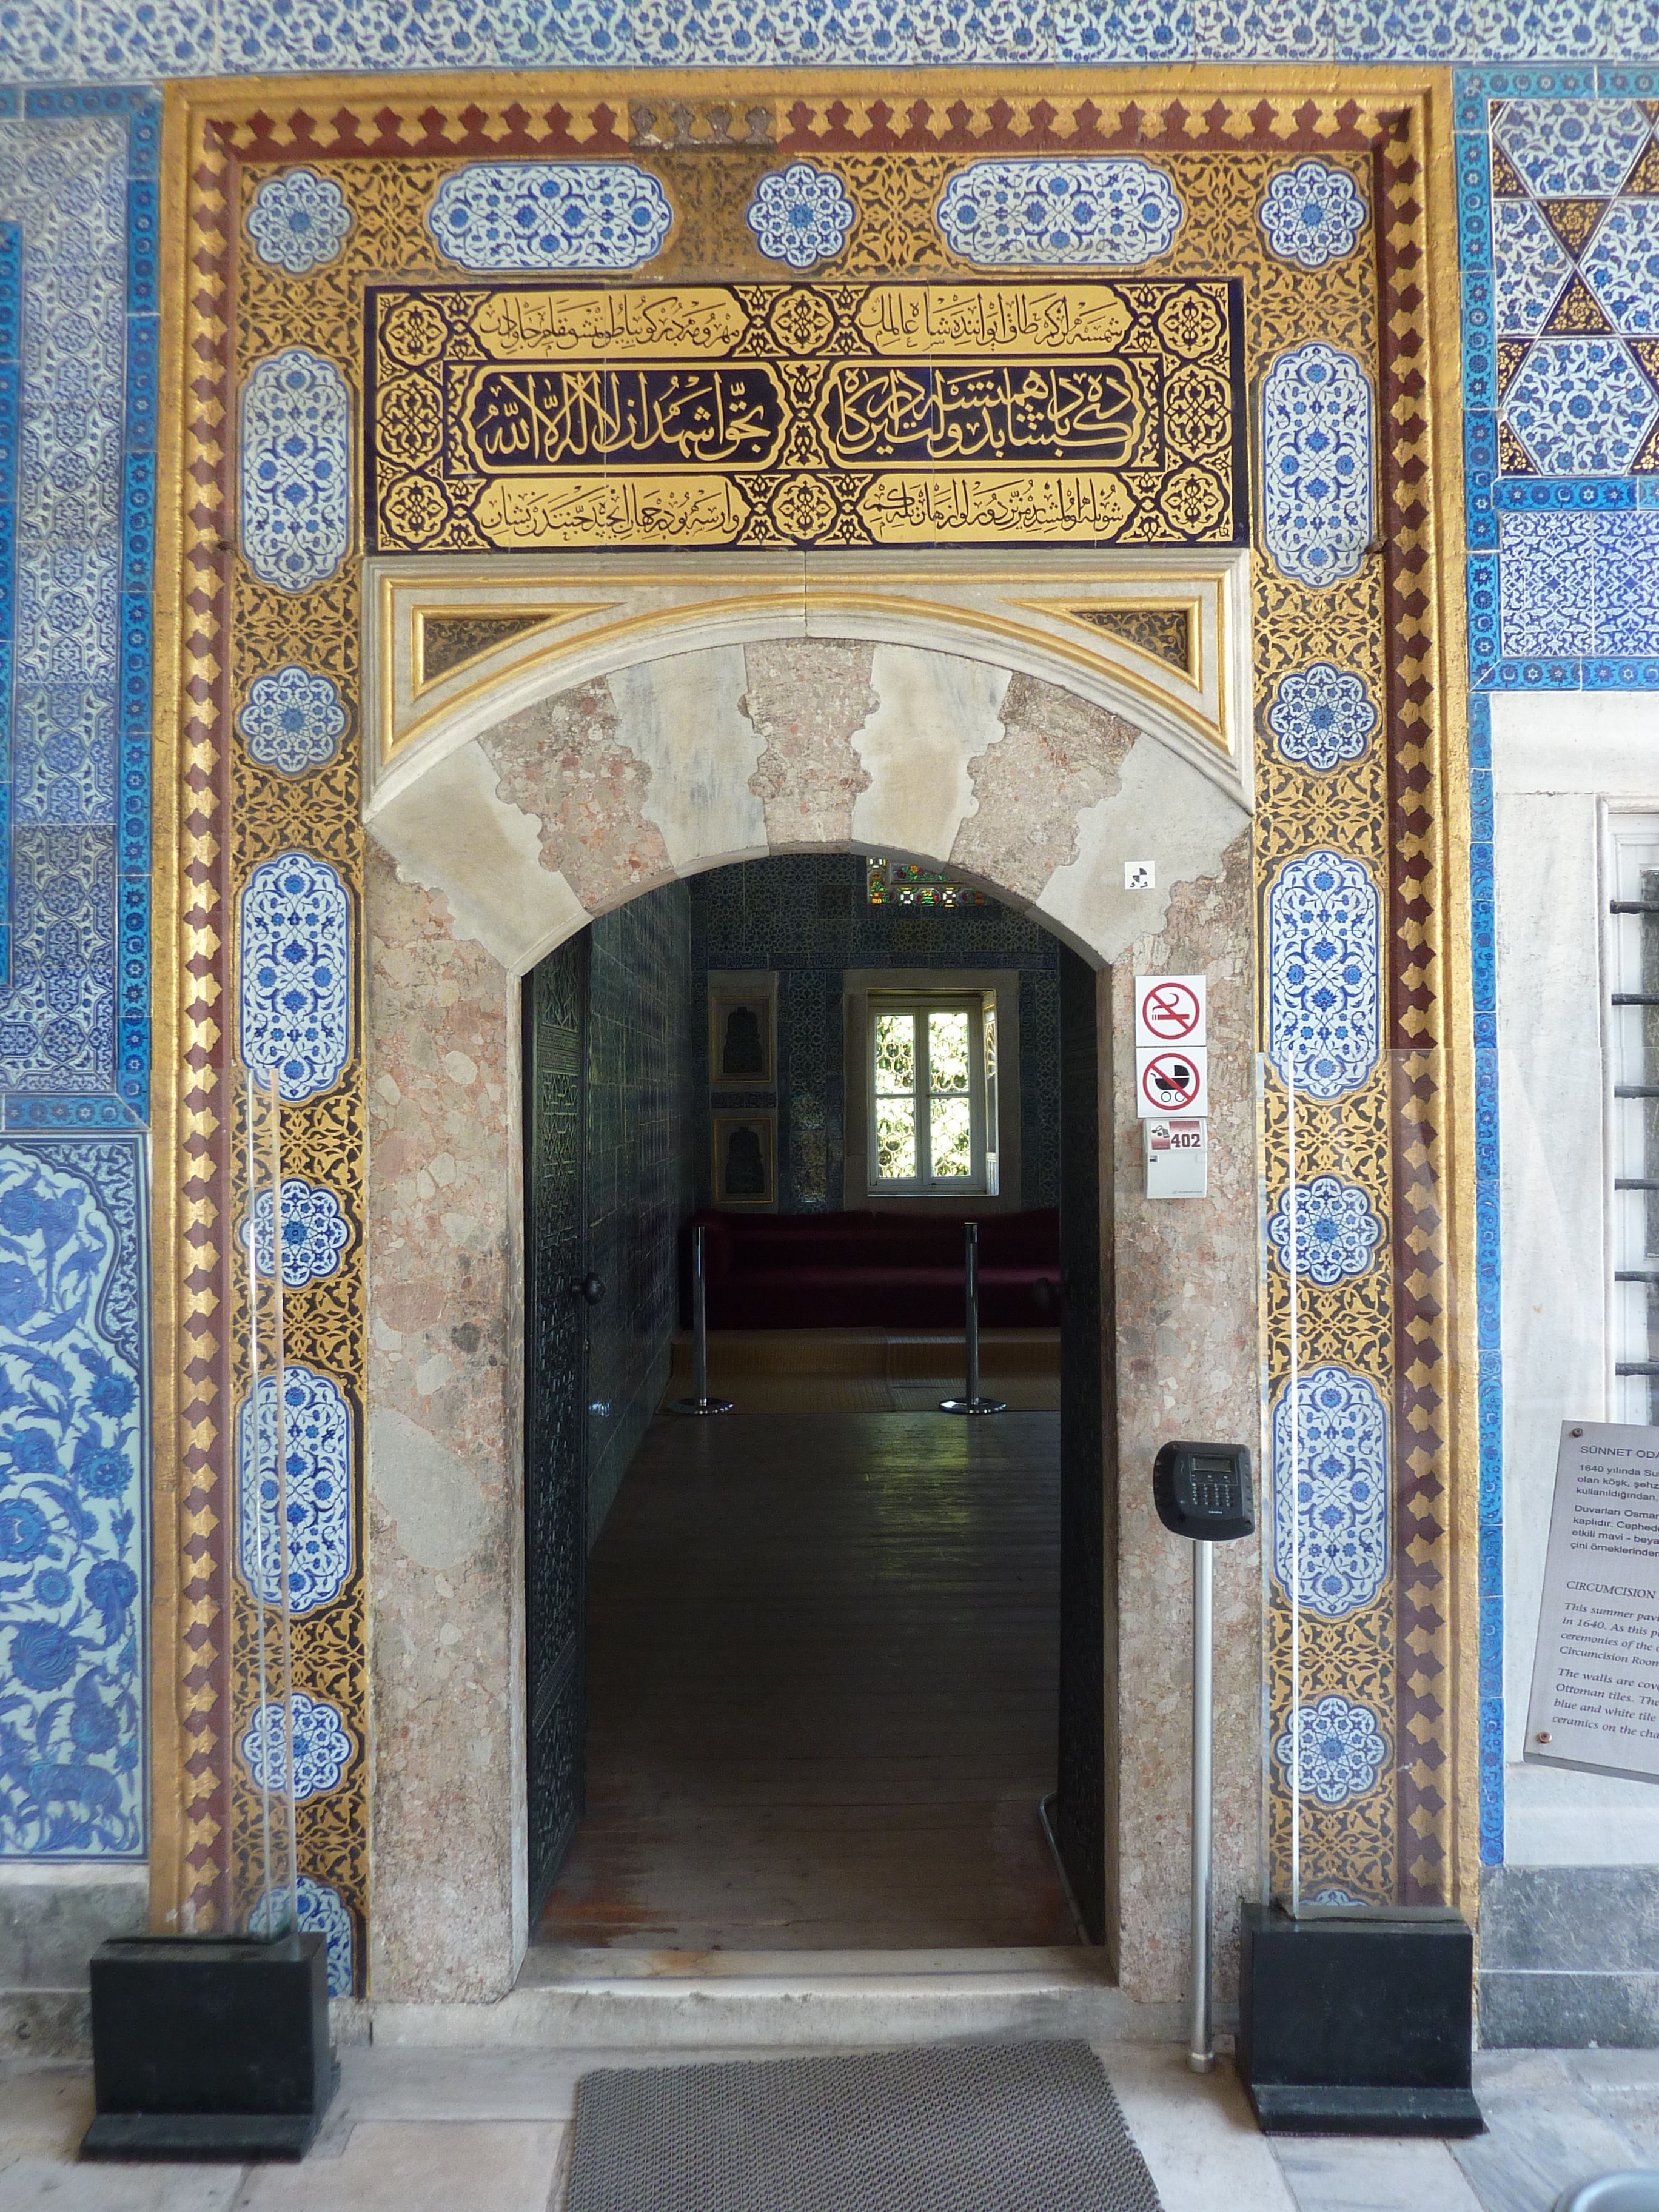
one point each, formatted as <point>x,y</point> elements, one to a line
<point>818,1676</point>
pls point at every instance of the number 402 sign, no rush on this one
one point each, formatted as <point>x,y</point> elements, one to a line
<point>1172,1074</point>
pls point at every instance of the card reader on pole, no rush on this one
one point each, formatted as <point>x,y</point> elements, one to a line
<point>1202,1492</point>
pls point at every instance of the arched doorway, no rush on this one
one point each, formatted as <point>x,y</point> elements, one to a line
<point>497,837</point>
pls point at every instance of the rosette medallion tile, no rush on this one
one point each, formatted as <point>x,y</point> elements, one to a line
<point>299,221</point>
<point>314,1232</point>
<point>323,1745</point>
<point>1312,214</point>
<point>1322,715</point>
<point>801,215</point>
<point>1108,213</point>
<point>292,719</point>
<point>1336,1229</point>
<point>1341,1751</point>
<point>507,216</point>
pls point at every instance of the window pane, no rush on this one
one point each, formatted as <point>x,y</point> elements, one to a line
<point>895,1139</point>
<point>952,1139</point>
<point>947,1052</point>
<point>896,1053</point>
<point>990,1041</point>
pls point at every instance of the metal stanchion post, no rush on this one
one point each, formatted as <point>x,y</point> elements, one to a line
<point>1202,1492</point>
<point>699,1401</point>
<point>973,1403</point>
<point>1200,2051</point>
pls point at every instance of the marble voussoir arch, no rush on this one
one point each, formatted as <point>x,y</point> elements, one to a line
<point>531,825</point>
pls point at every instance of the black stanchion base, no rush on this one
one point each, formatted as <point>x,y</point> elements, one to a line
<point>972,1405</point>
<point>701,1406</point>
<point>1358,2025</point>
<point>208,2047</point>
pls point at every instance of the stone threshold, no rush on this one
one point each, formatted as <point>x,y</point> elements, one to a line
<point>700,2001</point>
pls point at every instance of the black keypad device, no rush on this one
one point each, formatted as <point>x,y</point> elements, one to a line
<point>1203,1491</point>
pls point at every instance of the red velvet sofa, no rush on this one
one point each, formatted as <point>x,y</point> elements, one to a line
<point>894,1271</point>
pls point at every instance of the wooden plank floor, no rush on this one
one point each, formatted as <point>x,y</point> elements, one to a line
<point>822,1686</point>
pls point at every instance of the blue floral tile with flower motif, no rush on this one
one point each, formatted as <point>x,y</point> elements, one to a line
<point>1116,213</point>
<point>505,215</point>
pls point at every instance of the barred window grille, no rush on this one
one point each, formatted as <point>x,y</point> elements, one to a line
<point>1633,1065</point>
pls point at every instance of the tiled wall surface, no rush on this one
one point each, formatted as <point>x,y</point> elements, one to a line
<point>1558,186</point>
<point>77,434</point>
<point>644,1043</point>
<point>808,917</point>
<point>1558,176</point>
<point>117,40</point>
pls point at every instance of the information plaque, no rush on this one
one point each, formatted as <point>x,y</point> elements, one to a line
<point>1595,1676</point>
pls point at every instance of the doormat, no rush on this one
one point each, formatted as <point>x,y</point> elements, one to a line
<point>961,2127</point>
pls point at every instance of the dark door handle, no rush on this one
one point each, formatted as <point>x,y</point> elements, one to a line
<point>590,1288</point>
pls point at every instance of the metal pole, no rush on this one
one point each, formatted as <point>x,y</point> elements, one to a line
<point>970,1269</point>
<point>973,1403</point>
<point>1201,2053</point>
<point>699,1322</point>
<point>699,1401</point>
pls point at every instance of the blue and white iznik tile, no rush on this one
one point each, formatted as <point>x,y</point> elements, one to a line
<point>1335,1748</point>
<point>1571,148</point>
<point>299,221</point>
<point>295,469</point>
<point>322,1910</point>
<point>1321,715</point>
<point>1546,583</point>
<point>1324,953</point>
<point>294,943</point>
<point>292,719</point>
<point>1331,1494</point>
<point>63,180</point>
<point>801,215</point>
<point>1330,1227</point>
<point>324,1746</point>
<point>1580,406</point>
<point>316,1490</point>
<point>1317,463</point>
<point>315,1232</point>
<point>73,1457</point>
<point>507,216</point>
<point>1529,266</point>
<point>1118,212</point>
<point>1312,214</point>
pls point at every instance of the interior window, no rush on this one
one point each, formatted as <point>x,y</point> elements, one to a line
<point>932,1064</point>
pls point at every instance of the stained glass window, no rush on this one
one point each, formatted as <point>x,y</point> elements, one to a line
<point>907,883</point>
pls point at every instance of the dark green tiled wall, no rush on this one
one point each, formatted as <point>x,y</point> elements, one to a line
<point>645,1050</point>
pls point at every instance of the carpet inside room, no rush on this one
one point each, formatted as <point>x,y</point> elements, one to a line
<point>821,1684</point>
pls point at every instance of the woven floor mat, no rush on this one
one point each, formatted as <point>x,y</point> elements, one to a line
<point>1021,2127</point>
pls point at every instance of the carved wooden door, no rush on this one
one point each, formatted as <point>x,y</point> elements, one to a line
<point>556,1426</point>
<point>1087,1523</point>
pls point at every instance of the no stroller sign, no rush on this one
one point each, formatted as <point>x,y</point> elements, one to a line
<point>1171,1061</point>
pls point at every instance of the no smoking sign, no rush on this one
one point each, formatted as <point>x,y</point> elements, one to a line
<point>1168,1009</point>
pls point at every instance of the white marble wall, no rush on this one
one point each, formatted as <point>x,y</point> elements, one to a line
<point>1559,761</point>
